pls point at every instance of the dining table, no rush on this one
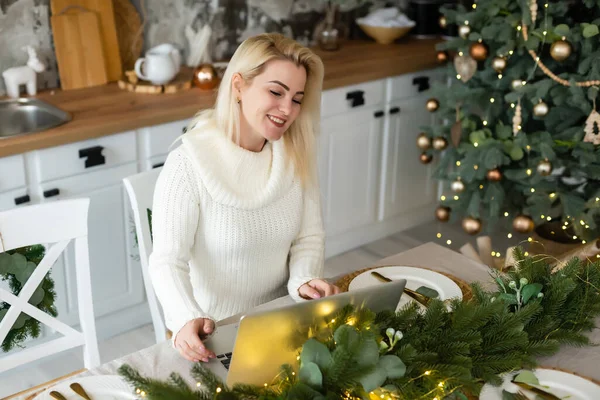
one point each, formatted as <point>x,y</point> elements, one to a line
<point>160,360</point>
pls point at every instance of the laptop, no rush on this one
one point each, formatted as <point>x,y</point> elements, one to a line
<point>252,350</point>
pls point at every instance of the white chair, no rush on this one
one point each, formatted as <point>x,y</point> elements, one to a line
<point>55,223</point>
<point>140,188</point>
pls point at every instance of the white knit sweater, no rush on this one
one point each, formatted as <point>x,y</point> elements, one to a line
<point>231,228</point>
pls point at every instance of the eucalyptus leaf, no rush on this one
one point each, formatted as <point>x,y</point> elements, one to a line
<point>590,30</point>
<point>20,322</point>
<point>393,366</point>
<point>37,296</point>
<point>508,298</point>
<point>429,292</point>
<point>527,377</point>
<point>373,379</point>
<point>311,375</point>
<point>347,336</point>
<point>562,30</point>
<point>530,291</point>
<point>315,352</point>
<point>6,264</point>
<point>516,153</point>
<point>367,353</point>
<point>23,273</point>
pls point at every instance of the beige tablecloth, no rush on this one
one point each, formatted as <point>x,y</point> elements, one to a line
<point>160,360</point>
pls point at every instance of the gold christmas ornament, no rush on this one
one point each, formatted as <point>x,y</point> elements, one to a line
<point>465,67</point>
<point>425,158</point>
<point>432,105</point>
<point>499,64</point>
<point>423,141</point>
<point>442,213</point>
<point>516,84</point>
<point>533,7</point>
<point>471,225</point>
<point>457,186</point>
<point>523,224</point>
<point>464,31</point>
<point>479,51</point>
<point>205,77</point>
<point>440,143</point>
<point>443,22</point>
<point>592,125</point>
<point>544,168</point>
<point>540,109</point>
<point>517,119</point>
<point>441,57</point>
<point>494,175</point>
<point>560,50</point>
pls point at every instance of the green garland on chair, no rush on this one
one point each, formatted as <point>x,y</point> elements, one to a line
<point>448,351</point>
<point>16,266</point>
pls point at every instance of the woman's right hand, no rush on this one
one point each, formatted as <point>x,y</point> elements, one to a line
<point>188,340</point>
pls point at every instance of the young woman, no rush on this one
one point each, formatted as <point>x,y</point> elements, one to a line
<point>236,215</point>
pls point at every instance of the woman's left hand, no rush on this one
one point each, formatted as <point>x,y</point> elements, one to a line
<point>317,288</point>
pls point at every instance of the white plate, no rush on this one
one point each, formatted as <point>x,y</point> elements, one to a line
<point>101,387</point>
<point>415,278</point>
<point>561,384</point>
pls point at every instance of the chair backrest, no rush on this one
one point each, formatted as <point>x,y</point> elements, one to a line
<point>140,188</point>
<point>57,224</point>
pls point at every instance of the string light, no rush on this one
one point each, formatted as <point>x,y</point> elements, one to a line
<point>493,254</point>
<point>511,52</point>
<point>523,83</point>
<point>458,165</point>
<point>548,218</point>
<point>512,105</point>
<point>448,242</point>
<point>466,22</point>
<point>480,186</point>
<point>574,237</point>
<point>266,384</point>
<point>530,239</point>
<point>474,5</point>
<point>492,100</point>
<point>528,147</point>
<point>506,213</point>
<point>509,235</point>
<point>219,390</point>
<point>529,172</point>
<point>458,76</point>
<point>484,122</point>
<point>499,76</point>
<point>552,195</point>
<point>443,198</point>
<point>475,144</point>
<point>456,197</point>
<point>460,53</point>
<point>475,167</point>
<point>526,253</point>
<point>198,384</point>
<point>532,190</point>
<point>427,372</point>
<point>582,222</point>
<point>333,321</point>
<point>583,242</point>
<point>597,198</point>
<point>439,235</point>
<point>519,28</point>
<point>543,216</point>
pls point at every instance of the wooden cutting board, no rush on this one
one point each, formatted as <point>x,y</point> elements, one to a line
<point>78,47</point>
<point>108,32</point>
<point>129,31</point>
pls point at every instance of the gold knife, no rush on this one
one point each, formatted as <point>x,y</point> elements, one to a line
<point>415,295</point>
<point>55,395</point>
<point>539,392</point>
<point>79,390</point>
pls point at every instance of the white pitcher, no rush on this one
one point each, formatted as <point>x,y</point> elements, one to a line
<point>160,65</point>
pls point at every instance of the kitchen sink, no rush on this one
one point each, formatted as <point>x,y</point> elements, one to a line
<point>22,116</point>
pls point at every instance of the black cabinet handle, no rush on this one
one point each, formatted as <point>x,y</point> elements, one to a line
<point>184,129</point>
<point>51,192</point>
<point>378,114</point>
<point>357,97</point>
<point>22,199</point>
<point>158,165</point>
<point>94,156</point>
<point>422,82</point>
<point>394,110</point>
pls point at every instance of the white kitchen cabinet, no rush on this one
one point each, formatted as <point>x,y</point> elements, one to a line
<point>117,286</point>
<point>352,169</point>
<point>406,184</point>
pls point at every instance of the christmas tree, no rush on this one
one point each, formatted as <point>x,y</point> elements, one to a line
<point>519,145</point>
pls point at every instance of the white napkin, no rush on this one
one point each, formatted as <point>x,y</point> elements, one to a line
<point>386,17</point>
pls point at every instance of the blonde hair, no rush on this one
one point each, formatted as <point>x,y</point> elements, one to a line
<point>249,61</point>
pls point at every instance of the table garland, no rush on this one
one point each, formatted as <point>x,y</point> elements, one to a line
<point>441,352</point>
<point>16,266</point>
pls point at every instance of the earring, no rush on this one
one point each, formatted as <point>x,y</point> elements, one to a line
<point>239,100</point>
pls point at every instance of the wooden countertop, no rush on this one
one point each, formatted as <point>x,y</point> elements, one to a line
<point>105,110</point>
